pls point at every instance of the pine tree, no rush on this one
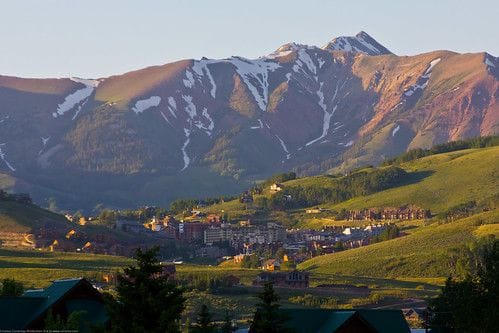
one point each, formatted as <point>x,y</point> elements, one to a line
<point>471,304</point>
<point>227,325</point>
<point>11,287</point>
<point>204,322</point>
<point>145,302</point>
<point>268,318</point>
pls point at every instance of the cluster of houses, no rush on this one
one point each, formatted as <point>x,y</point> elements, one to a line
<point>245,233</point>
<point>328,239</point>
<point>29,311</point>
<point>402,213</point>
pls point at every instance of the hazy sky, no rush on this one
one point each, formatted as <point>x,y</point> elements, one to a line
<point>96,38</point>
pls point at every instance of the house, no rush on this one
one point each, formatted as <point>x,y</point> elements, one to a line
<point>271,265</point>
<point>191,231</point>
<point>130,226</point>
<point>315,210</point>
<point>276,187</point>
<point>28,312</point>
<point>294,279</point>
<point>246,197</point>
<point>344,321</point>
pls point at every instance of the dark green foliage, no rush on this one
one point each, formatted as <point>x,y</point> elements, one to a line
<point>459,211</point>
<point>251,261</point>
<point>227,324</point>
<point>315,301</point>
<point>11,288</point>
<point>145,301</point>
<point>181,205</point>
<point>279,178</point>
<point>390,232</point>
<point>23,198</point>
<point>206,282</point>
<point>479,142</point>
<point>107,217</point>
<point>353,185</point>
<point>471,304</point>
<point>268,318</point>
<point>58,324</point>
<point>204,321</point>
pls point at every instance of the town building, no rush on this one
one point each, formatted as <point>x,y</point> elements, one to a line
<point>294,279</point>
<point>271,265</point>
<point>344,321</point>
<point>276,187</point>
<point>28,312</point>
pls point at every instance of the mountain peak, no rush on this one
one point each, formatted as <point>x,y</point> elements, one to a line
<point>288,48</point>
<point>360,43</point>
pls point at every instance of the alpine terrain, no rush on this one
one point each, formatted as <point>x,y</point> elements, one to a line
<point>195,128</point>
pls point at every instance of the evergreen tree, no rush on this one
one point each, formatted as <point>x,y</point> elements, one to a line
<point>58,324</point>
<point>11,288</point>
<point>227,325</point>
<point>204,321</point>
<point>145,301</point>
<point>471,304</point>
<point>268,318</point>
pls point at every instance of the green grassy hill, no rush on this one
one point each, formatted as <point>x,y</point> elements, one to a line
<point>425,252</point>
<point>447,180</point>
<point>436,182</point>
<point>17,217</point>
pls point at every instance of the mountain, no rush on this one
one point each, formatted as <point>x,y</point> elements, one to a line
<point>207,127</point>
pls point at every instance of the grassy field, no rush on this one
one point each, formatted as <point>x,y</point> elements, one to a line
<point>436,182</point>
<point>39,268</point>
<point>424,253</point>
<point>452,178</point>
<point>17,217</point>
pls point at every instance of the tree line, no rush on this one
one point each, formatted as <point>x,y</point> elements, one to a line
<point>413,154</point>
<point>344,188</point>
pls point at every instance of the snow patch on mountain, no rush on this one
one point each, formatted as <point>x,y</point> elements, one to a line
<point>260,125</point>
<point>423,80</point>
<point>187,160</point>
<point>189,81</point>
<point>144,104</point>
<point>4,159</point>
<point>164,117</point>
<point>348,144</point>
<point>255,75</point>
<point>211,124</point>
<point>395,130</point>
<point>286,49</point>
<point>305,58</point>
<point>44,144</point>
<point>77,98</point>
<point>490,61</point>
<point>201,68</point>
<point>284,147</point>
<point>172,106</point>
<point>4,119</point>
<point>321,97</point>
<point>190,108</point>
<point>327,114</point>
<point>360,43</point>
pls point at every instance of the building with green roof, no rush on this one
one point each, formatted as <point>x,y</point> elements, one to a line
<point>345,321</point>
<point>29,311</point>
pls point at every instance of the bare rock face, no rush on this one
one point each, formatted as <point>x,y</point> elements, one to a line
<point>206,127</point>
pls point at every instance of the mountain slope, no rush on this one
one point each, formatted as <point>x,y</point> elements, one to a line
<point>234,120</point>
<point>438,183</point>
<point>424,253</point>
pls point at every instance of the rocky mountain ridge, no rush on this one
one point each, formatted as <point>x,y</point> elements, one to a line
<point>217,125</point>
